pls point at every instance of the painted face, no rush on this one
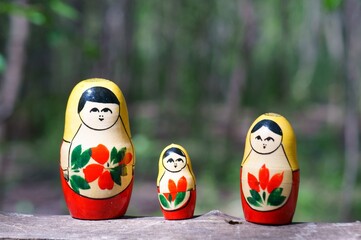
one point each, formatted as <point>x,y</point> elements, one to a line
<point>174,162</point>
<point>99,116</point>
<point>264,141</point>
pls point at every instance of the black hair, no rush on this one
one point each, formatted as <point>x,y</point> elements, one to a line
<point>97,94</point>
<point>174,150</point>
<point>271,125</point>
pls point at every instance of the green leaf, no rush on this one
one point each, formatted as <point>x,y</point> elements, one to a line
<point>85,157</point>
<point>117,156</point>
<point>121,154</point>
<point>275,198</point>
<point>163,201</point>
<point>113,155</point>
<point>332,4</point>
<point>255,195</point>
<point>74,186</point>
<point>170,197</point>
<point>79,159</point>
<point>116,173</point>
<point>36,17</point>
<point>79,182</point>
<point>64,9</point>
<point>179,198</point>
<point>264,196</point>
<point>33,14</point>
<point>75,156</point>
<point>253,202</point>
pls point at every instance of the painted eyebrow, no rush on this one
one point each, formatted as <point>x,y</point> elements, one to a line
<point>269,138</point>
<point>258,137</point>
<point>170,160</point>
<point>94,110</point>
<point>180,160</point>
<point>107,110</point>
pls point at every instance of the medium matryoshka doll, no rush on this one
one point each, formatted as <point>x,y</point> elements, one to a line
<point>269,171</point>
<point>97,154</point>
<point>176,183</point>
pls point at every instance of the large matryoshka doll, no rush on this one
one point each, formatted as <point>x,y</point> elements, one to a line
<point>176,183</point>
<point>269,171</point>
<point>97,155</point>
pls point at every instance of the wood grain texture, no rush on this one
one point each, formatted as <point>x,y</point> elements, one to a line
<point>212,225</point>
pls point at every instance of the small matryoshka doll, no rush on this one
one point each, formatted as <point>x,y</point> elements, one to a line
<point>176,183</point>
<point>269,171</point>
<point>97,154</point>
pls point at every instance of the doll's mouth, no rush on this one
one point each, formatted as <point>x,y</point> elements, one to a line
<point>264,146</point>
<point>101,119</point>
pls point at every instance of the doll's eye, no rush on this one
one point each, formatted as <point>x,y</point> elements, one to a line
<point>258,138</point>
<point>180,160</point>
<point>269,139</point>
<point>94,110</point>
<point>170,160</point>
<point>106,110</point>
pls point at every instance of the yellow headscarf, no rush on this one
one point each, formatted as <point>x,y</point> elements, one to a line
<point>72,119</point>
<point>288,138</point>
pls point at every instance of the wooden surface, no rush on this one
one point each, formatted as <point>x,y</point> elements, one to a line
<point>212,225</point>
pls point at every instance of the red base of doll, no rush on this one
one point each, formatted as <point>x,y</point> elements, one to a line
<point>95,209</point>
<point>185,212</point>
<point>279,216</point>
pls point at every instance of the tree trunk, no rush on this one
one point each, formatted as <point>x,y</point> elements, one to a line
<point>11,82</point>
<point>352,14</point>
<point>239,74</point>
<point>116,43</point>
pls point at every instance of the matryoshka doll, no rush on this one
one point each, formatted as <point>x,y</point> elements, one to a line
<point>97,155</point>
<point>176,183</point>
<point>269,171</point>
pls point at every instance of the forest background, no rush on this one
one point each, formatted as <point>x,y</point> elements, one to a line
<point>193,72</point>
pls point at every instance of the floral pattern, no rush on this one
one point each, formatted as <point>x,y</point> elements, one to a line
<point>107,173</point>
<point>176,193</point>
<point>265,190</point>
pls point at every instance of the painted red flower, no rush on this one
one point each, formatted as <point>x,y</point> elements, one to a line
<point>253,182</point>
<point>172,188</point>
<point>275,182</point>
<point>96,171</point>
<point>106,177</point>
<point>127,159</point>
<point>100,154</point>
<point>106,181</point>
<point>92,172</point>
<point>264,181</point>
<point>263,176</point>
<point>182,184</point>
<point>271,193</point>
<point>175,189</point>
